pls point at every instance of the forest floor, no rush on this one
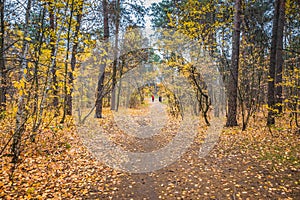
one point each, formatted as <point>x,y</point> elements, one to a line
<point>63,163</point>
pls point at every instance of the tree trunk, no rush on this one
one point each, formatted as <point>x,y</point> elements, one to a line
<point>53,47</point>
<point>38,108</point>
<point>279,56</point>
<point>100,85</point>
<point>66,108</point>
<point>233,81</point>
<point>115,62</point>
<point>73,58</point>
<point>3,73</point>
<point>271,81</point>
<point>21,112</point>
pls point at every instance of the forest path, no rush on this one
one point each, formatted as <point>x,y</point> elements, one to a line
<point>230,171</point>
<point>141,132</point>
<point>148,137</point>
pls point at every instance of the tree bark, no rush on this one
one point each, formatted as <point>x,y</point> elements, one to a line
<point>272,67</point>
<point>3,73</point>
<point>233,81</point>
<point>73,58</point>
<point>120,85</point>
<point>279,56</point>
<point>66,108</point>
<point>100,85</point>
<point>115,62</point>
<point>53,47</point>
<point>38,107</point>
<point>21,112</point>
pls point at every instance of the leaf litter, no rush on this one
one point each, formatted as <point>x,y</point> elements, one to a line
<point>251,164</point>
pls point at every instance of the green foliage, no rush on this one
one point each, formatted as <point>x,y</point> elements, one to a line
<point>160,13</point>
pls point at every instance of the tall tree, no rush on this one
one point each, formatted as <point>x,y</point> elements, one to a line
<point>3,72</point>
<point>100,85</point>
<point>21,112</point>
<point>233,80</point>
<point>279,56</point>
<point>115,62</point>
<point>38,106</point>
<point>73,56</point>
<point>272,67</point>
<point>53,47</point>
<point>66,108</point>
<point>160,13</point>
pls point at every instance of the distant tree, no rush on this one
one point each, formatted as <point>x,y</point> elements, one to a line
<point>160,13</point>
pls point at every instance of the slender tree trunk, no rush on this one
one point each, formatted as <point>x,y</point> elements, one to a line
<point>73,58</point>
<point>115,62</point>
<point>36,84</point>
<point>66,109</point>
<point>120,84</point>
<point>100,85</point>
<point>53,47</point>
<point>279,56</point>
<point>271,81</point>
<point>3,73</point>
<point>21,112</point>
<point>233,81</point>
<point>54,44</point>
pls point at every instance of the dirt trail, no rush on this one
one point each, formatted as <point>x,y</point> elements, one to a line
<point>144,185</point>
<point>148,132</point>
<point>227,172</point>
